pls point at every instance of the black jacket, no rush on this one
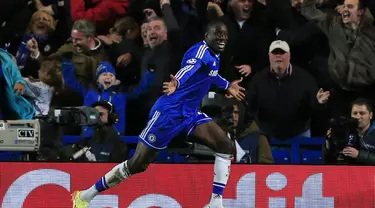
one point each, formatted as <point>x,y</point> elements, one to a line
<point>247,45</point>
<point>282,106</point>
<point>105,144</point>
<point>164,59</point>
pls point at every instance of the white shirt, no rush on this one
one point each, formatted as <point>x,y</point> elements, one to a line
<point>40,94</point>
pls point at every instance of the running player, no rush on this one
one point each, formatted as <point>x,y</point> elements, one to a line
<point>176,112</point>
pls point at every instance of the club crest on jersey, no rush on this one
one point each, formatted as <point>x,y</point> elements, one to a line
<point>151,138</point>
<point>191,61</point>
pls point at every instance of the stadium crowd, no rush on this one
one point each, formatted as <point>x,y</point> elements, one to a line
<point>303,63</point>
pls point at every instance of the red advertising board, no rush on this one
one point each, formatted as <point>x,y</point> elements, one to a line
<point>34,185</point>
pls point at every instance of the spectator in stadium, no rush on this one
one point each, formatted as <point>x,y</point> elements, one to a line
<point>361,147</point>
<point>123,50</point>
<point>249,34</point>
<point>283,97</point>
<point>102,12</point>
<point>301,34</point>
<point>105,143</point>
<point>40,91</point>
<point>193,16</point>
<point>251,145</point>
<point>13,106</point>
<point>105,89</point>
<point>166,44</point>
<point>352,50</point>
<point>46,33</point>
<point>85,50</point>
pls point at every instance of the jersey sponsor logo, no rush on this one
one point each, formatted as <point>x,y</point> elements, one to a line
<point>191,61</point>
<point>213,73</point>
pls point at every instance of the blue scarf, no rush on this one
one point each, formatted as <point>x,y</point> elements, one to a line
<point>23,53</point>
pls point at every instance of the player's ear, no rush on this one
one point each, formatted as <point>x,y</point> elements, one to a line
<point>205,35</point>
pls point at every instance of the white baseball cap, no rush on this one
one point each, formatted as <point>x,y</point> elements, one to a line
<point>279,44</point>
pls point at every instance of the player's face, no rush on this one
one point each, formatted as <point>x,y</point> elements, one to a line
<point>156,33</point>
<point>217,37</point>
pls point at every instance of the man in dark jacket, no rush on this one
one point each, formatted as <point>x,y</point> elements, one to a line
<point>361,147</point>
<point>283,96</point>
<point>249,34</point>
<point>165,40</point>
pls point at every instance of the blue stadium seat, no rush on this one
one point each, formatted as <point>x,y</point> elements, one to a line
<point>311,157</point>
<point>295,144</point>
<point>10,156</point>
<point>281,156</point>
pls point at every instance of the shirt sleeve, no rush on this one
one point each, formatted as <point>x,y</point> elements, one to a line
<point>221,83</point>
<point>188,70</point>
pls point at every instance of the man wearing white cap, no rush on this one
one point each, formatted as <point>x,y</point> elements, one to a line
<point>283,97</point>
<point>279,56</point>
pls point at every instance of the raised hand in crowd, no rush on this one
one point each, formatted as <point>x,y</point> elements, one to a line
<point>322,96</point>
<point>110,38</point>
<point>245,70</point>
<point>216,7</point>
<point>149,14</point>
<point>32,45</point>
<point>162,2</point>
<point>124,59</point>
<point>340,9</point>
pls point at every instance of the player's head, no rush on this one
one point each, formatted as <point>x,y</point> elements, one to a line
<point>156,32</point>
<point>216,36</point>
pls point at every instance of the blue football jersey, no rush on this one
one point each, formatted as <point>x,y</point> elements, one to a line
<point>199,69</point>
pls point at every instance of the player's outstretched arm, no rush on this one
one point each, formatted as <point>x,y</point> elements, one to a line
<point>236,91</point>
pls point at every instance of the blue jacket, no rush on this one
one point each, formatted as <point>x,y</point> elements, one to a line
<point>20,105</point>
<point>118,99</point>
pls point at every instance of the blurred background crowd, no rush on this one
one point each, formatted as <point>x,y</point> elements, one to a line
<point>308,67</point>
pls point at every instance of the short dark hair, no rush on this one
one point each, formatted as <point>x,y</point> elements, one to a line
<point>213,24</point>
<point>362,101</point>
